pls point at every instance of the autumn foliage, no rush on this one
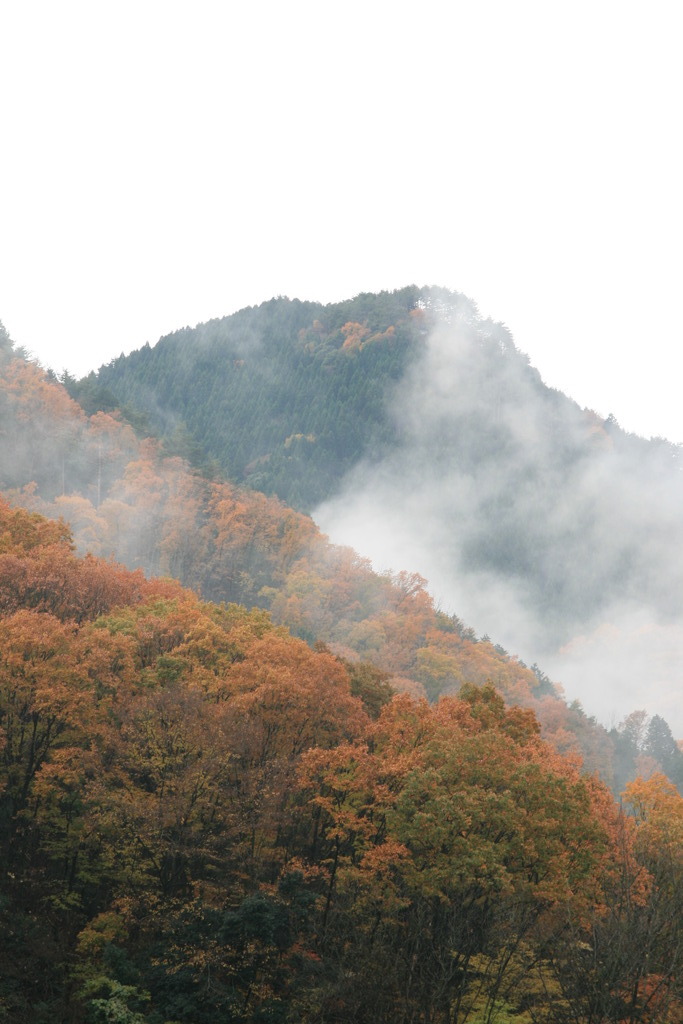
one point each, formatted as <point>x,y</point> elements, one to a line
<point>202,818</point>
<point>128,499</point>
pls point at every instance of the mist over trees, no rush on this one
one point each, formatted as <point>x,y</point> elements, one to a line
<point>284,397</point>
<point>415,431</point>
<point>202,819</point>
<point>213,813</point>
<point>417,398</point>
<point>127,498</point>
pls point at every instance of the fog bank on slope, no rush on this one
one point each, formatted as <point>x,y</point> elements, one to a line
<point>537,523</point>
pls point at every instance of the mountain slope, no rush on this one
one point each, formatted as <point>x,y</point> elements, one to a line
<point>125,497</point>
<point>285,397</point>
<point>203,819</point>
<point>432,445</point>
<point>318,403</point>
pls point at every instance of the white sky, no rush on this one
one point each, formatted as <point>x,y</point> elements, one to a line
<point>163,163</point>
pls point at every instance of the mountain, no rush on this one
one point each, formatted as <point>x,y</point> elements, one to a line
<point>205,817</point>
<point>124,497</point>
<point>283,397</point>
<point>415,431</point>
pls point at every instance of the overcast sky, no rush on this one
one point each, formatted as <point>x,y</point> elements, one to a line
<point>164,163</point>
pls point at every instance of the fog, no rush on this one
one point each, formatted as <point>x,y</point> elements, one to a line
<point>557,534</point>
<point>538,524</point>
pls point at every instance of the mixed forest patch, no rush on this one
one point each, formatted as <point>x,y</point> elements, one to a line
<point>414,430</point>
<point>341,805</point>
<point>127,498</point>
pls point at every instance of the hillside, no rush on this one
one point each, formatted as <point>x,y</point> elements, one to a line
<point>417,433</point>
<point>125,498</point>
<point>203,819</point>
<point>284,397</point>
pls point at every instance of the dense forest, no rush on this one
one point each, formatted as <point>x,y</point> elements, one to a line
<point>339,806</point>
<point>415,431</point>
<point>126,498</point>
<point>285,397</point>
<point>203,819</point>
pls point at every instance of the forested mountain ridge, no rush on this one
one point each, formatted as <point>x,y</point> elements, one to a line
<point>437,448</point>
<point>125,497</point>
<point>304,401</point>
<point>284,397</point>
<point>203,817</point>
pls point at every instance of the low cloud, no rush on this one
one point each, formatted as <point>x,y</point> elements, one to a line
<point>533,520</point>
